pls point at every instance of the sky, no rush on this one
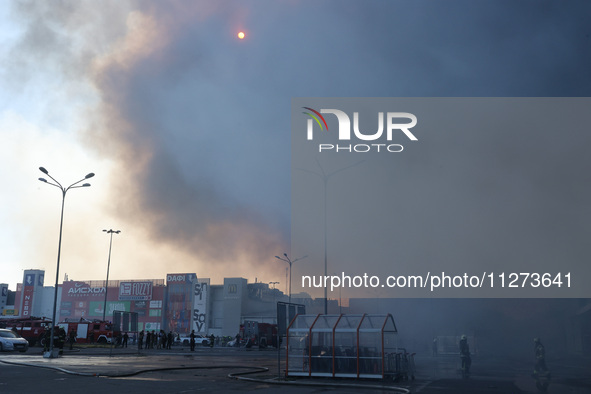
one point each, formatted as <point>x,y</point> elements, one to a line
<point>187,127</point>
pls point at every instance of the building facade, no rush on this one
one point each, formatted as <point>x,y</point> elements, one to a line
<point>181,302</point>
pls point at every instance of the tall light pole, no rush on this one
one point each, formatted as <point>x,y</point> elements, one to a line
<point>325,177</point>
<point>64,190</point>
<point>108,265</point>
<point>290,262</point>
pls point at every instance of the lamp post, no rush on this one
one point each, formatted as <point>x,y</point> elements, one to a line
<point>325,177</point>
<point>108,265</point>
<point>290,262</point>
<point>64,190</point>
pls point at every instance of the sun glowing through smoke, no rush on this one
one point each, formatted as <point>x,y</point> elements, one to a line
<point>241,35</point>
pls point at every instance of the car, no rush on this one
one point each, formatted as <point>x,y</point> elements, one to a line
<point>186,340</point>
<point>10,341</point>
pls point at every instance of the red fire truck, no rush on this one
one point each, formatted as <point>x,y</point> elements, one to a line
<point>33,329</point>
<point>261,334</point>
<point>89,331</point>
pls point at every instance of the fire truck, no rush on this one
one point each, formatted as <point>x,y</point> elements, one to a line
<point>33,329</point>
<point>261,334</point>
<point>89,331</point>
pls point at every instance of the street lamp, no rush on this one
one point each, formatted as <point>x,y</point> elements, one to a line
<point>325,177</point>
<point>108,265</point>
<point>290,262</point>
<point>64,190</point>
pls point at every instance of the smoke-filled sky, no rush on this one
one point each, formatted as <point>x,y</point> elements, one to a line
<point>187,127</point>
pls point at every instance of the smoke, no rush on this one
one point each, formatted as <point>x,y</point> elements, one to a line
<point>192,125</point>
<point>173,154</point>
<point>164,121</point>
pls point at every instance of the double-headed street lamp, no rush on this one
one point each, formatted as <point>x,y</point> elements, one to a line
<point>290,262</point>
<point>59,245</point>
<point>108,265</point>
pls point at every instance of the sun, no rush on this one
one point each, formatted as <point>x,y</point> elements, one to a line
<point>241,35</point>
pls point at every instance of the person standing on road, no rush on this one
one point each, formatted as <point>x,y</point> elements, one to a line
<point>61,339</point>
<point>72,339</point>
<point>193,340</point>
<point>125,339</point>
<point>465,356</point>
<point>540,357</point>
<point>169,340</point>
<point>164,339</point>
<point>140,342</point>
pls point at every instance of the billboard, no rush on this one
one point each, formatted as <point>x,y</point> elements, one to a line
<point>96,308</point>
<point>180,278</point>
<point>3,294</point>
<point>199,319</point>
<point>135,291</point>
<point>28,291</point>
<point>179,302</point>
<point>73,289</point>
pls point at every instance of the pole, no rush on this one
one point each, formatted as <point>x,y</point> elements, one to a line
<point>278,356</point>
<point>289,280</point>
<point>107,281</point>
<point>290,262</point>
<point>325,251</point>
<point>57,273</point>
<point>64,190</point>
<point>325,177</point>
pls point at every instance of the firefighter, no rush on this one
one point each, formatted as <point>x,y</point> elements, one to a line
<point>140,342</point>
<point>61,339</point>
<point>541,372</point>
<point>465,356</point>
<point>192,337</point>
<point>46,339</point>
<point>540,357</point>
<point>72,339</point>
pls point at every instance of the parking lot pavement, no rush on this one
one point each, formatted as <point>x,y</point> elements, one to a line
<point>162,371</point>
<point>126,362</point>
<point>207,370</point>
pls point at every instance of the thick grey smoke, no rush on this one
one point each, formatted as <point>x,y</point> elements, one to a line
<point>198,121</point>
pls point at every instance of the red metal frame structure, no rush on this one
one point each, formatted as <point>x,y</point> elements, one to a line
<point>310,347</point>
<point>333,345</point>
<point>383,351</point>
<point>357,352</point>
<point>344,340</point>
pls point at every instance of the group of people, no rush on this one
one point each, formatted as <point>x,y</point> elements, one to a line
<point>121,340</point>
<point>59,339</point>
<point>192,341</point>
<point>540,368</point>
<point>155,340</point>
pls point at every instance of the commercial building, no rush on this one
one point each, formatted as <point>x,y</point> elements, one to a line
<point>181,302</point>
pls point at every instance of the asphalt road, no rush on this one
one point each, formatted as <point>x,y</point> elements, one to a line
<point>206,371</point>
